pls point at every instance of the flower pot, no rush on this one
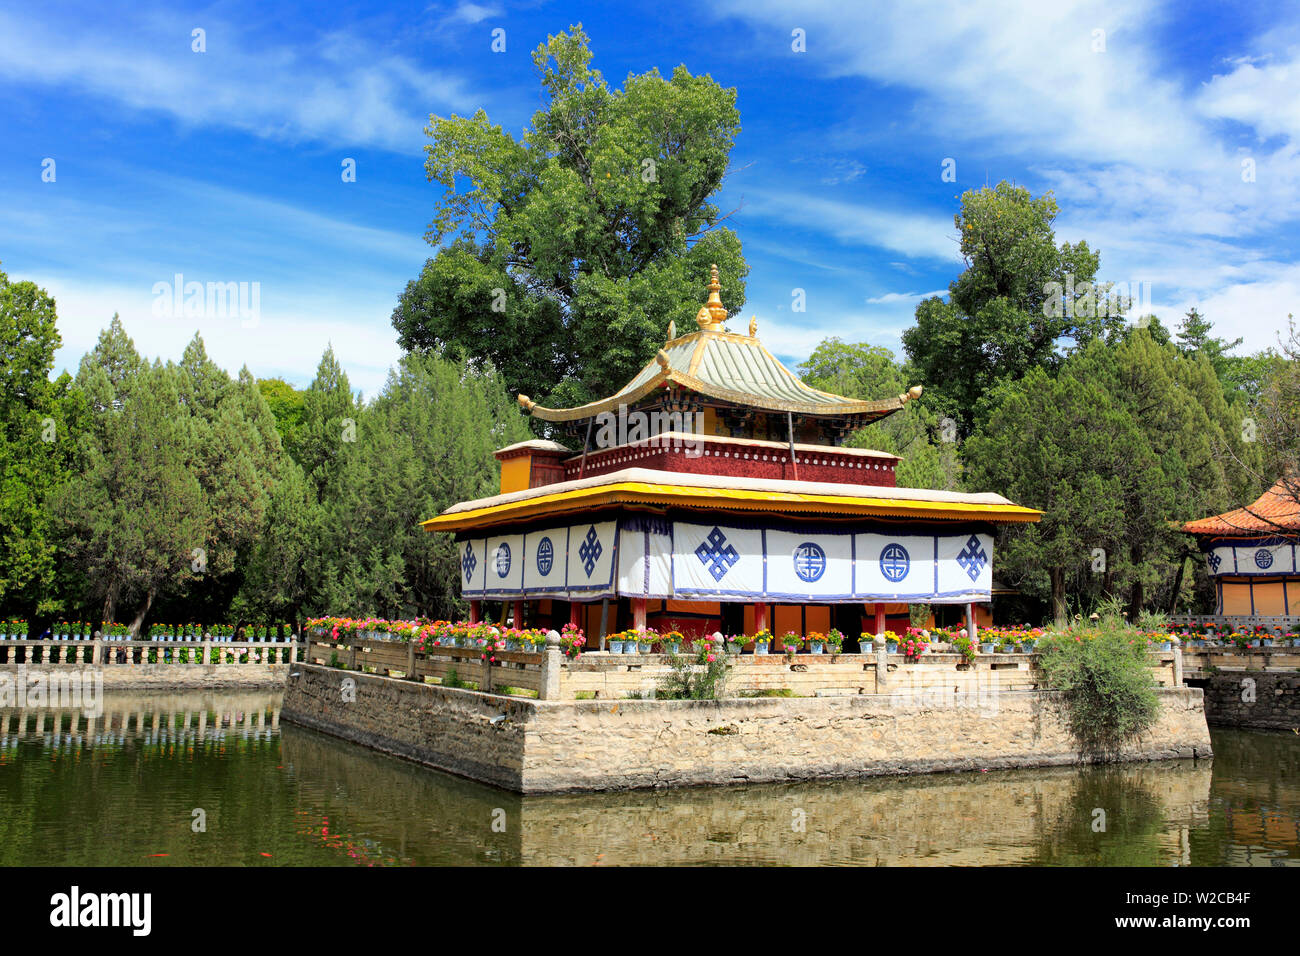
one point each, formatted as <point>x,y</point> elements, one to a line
<point>1267,642</point>
<point>629,647</point>
<point>1166,645</point>
<point>988,648</point>
<point>673,648</point>
<point>816,647</point>
<point>615,647</point>
<point>891,648</point>
<point>761,647</point>
<point>733,648</point>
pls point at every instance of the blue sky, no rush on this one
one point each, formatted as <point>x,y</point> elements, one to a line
<point>225,165</point>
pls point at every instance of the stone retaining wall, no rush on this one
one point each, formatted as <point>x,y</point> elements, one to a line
<point>537,746</point>
<point>1260,699</point>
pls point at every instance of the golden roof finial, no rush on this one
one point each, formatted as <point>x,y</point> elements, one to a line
<point>753,326</point>
<point>672,329</point>
<point>717,311</point>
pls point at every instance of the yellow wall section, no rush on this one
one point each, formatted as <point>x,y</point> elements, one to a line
<point>693,607</point>
<point>819,618</point>
<point>515,473</point>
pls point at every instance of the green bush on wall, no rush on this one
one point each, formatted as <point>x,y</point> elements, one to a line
<point>1104,676</point>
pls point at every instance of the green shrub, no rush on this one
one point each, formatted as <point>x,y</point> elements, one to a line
<point>1102,672</point>
<point>702,676</point>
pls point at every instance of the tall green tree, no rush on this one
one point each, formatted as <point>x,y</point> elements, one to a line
<point>1019,303</point>
<point>425,443</point>
<point>36,446</point>
<point>1059,445</point>
<point>134,515</point>
<point>563,254</point>
<point>329,425</point>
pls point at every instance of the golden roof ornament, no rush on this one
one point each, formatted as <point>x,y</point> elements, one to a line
<point>713,313</point>
<point>672,329</point>
<point>753,327</point>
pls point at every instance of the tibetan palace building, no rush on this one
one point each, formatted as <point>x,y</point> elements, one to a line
<point>1251,554</point>
<point>713,492</point>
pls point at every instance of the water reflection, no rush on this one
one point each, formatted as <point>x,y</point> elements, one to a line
<point>124,790</point>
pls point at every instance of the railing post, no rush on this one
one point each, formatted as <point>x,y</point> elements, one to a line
<point>882,664</point>
<point>206,652</point>
<point>352,653</point>
<point>1178,661</point>
<point>410,661</point>
<point>551,663</point>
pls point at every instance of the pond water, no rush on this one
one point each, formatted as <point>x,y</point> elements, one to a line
<point>133,787</point>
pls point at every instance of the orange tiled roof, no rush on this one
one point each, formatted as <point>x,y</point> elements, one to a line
<point>1274,511</point>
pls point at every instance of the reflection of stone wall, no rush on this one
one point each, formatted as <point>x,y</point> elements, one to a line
<point>1013,817</point>
<point>1253,699</point>
<point>177,676</point>
<point>547,746</point>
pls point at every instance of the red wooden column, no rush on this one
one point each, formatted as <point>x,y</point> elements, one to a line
<point>519,614</point>
<point>575,614</point>
<point>638,613</point>
<point>760,617</point>
<point>475,612</point>
<point>877,612</point>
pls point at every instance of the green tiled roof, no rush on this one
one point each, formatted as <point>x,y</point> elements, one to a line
<point>732,368</point>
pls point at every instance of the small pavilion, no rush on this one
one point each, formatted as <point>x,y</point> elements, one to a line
<point>714,492</point>
<point>1250,553</point>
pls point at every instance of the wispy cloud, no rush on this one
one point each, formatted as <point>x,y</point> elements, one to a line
<point>332,87</point>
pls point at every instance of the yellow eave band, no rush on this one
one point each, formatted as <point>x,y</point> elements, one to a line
<point>642,493</point>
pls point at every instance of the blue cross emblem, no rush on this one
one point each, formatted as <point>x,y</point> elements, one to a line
<point>894,562</point>
<point>545,556</point>
<point>809,561</point>
<point>469,562</point>
<point>1214,560</point>
<point>1263,559</point>
<point>589,551</point>
<point>972,558</point>
<point>503,559</point>
<point>716,555</point>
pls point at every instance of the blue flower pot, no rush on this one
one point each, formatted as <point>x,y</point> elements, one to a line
<point>615,647</point>
<point>673,648</point>
<point>815,647</point>
<point>629,647</point>
<point>761,647</point>
<point>988,648</point>
<point>891,648</point>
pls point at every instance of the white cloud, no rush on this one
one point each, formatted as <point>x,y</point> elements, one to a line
<point>286,341</point>
<point>337,88</point>
<point>912,234</point>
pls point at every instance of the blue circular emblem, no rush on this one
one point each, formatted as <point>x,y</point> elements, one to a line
<point>894,562</point>
<point>809,561</point>
<point>502,559</point>
<point>545,556</point>
<point>1263,559</point>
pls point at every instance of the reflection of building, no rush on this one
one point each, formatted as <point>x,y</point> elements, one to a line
<point>713,492</point>
<point>1251,555</point>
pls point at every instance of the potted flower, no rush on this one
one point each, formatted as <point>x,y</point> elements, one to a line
<point>791,642</point>
<point>646,640</point>
<point>912,646</point>
<point>987,645</point>
<point>816,642</point>
<point>672,642</point>
<point>891,642</point>
<point>734,643</point>
<point>762,641</point>
<point>835,641</point>
<point>614,643</point>
<point>964,646</point>
<point>572,640</point>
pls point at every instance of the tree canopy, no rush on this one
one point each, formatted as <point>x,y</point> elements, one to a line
<point>564,254</point>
